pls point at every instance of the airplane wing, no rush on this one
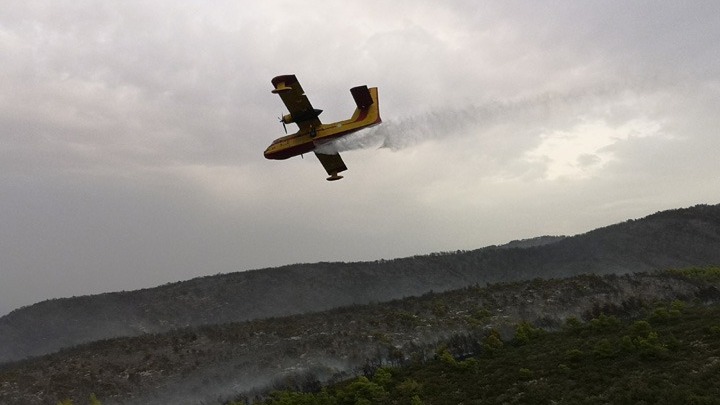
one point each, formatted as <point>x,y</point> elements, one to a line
<point>333,165</point>
<point>294,98</point>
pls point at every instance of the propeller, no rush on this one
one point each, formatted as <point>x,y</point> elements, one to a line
<point>283,122</point>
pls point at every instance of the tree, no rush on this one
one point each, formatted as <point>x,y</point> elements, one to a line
<point>525,332</point>
<point>361,392</point>
<point>492,342</point>
<point>604,349</point>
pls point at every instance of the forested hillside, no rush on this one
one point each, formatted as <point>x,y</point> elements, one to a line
<point>668,356</point>
<point>670,239</point>
<point>211,364</point>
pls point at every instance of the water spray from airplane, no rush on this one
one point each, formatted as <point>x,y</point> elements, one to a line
<point>401,133</point>
<point>522,118</point>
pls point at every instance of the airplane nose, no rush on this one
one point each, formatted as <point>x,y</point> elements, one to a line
<point>268,153</point>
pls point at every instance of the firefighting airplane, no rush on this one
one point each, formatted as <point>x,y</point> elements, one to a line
<point>314,133</point>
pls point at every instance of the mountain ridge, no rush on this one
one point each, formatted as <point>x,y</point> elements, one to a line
<point>210,364</point>
<point>667,239</point>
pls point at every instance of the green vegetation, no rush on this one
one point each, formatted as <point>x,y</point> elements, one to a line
<point>707,273</point>
<point>672,356</point>
<point>592,339</point>
<point>92,401</point>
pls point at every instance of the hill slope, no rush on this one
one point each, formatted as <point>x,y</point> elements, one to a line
<point>212,363</point>
<point>670,357</point>
<point>677,238</point>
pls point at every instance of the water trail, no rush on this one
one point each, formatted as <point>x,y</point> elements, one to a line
<point>520,121</point>
<point>401,133</point>
<point>446,123</point>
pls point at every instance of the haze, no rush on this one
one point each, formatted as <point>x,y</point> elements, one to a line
<point>131,133</point>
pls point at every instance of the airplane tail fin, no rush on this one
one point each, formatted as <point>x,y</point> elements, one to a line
<point>368,109</point>
<point>362,97</point>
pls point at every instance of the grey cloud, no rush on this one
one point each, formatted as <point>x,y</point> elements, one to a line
<point>131,133</point>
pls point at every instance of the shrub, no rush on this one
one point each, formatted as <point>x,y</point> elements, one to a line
<point>651,347</point>
<point>573,325</point>
<point>574,355</point>
<point>363,391</point>
<point>641,328</point>
<point>604,349</point>
<point>678,305</point>
<point>447,358</point>
<point>409,388</point>
<point>605,323</point>
<point>415,400</point>
<point>383,377</point>
<point>627,344</point>
<point>525,332</point>
<point>526,374</point>
<point>492,342</point>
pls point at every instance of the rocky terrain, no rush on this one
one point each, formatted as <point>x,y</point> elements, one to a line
<point>213,363</point>
<point>212,339</point>
<point>669,239</point>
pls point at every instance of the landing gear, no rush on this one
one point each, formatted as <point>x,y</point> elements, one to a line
<point>334,176</point>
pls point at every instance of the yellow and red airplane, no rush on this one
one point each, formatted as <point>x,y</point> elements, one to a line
<point>314,133</point>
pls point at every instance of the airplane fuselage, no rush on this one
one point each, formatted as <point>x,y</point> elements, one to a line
<point>306,141</point>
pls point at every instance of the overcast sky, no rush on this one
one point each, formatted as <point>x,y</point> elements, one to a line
<point>131,133</point>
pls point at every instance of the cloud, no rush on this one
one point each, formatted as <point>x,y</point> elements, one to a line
<point>132,132</point>
<point>583,150</point>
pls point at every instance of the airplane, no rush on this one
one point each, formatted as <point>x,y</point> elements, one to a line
<point>312,132</point>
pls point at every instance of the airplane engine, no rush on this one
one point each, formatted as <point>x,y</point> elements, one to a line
<point>305,116</point>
